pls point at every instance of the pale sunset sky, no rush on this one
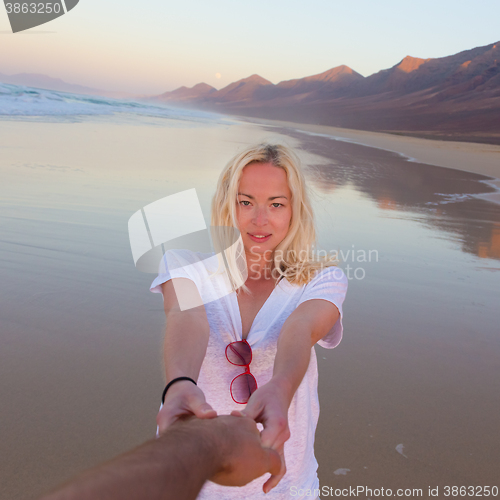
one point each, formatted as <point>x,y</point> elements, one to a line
<point>153,46</point>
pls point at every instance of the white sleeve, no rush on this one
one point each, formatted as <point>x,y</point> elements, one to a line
<point>174,264</point>
<point>329,284</point>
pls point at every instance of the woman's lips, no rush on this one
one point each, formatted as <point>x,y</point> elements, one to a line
<point>259,240</point>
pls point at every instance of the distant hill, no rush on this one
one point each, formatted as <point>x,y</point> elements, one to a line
<point>325,85</point>
<point>240,91</point>
<point>46,82</point>
<point>186,94</point>
<point>455,97</point>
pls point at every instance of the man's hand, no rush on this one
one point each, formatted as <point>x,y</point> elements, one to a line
<point>268,405</point>
<point>243,457</point>
<point>225,449</point>
<point>183,399</point>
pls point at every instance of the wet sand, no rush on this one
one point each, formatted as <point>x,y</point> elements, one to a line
<point>468,156</point>
<point>408,400</point>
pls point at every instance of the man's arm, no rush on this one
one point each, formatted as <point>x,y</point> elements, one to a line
<point>226,450</point>
<point>269,404</point>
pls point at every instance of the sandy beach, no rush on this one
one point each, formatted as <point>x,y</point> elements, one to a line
<point>408,400</point>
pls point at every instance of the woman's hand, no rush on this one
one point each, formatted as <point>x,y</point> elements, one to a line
<point>183,399</point>
<point>268,405</point>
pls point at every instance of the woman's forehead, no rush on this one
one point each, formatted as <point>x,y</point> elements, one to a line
<point>263,176</point>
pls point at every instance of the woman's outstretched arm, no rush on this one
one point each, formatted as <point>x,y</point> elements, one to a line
<point>310,322</point>
<point>185,346</point>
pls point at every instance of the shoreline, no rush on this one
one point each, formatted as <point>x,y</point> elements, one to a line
<point>481,159</point>
<point>477,158</point>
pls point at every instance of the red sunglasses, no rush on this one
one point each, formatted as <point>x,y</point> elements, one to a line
<point>243,385</point>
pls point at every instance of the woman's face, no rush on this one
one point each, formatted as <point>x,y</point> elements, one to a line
<point>264,207</point>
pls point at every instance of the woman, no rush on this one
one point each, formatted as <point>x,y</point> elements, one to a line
<point>288,303</point>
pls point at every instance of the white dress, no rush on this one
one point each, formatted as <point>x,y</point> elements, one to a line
<point>217,373</point>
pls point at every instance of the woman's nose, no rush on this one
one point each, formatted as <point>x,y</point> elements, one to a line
<point>260,217</point>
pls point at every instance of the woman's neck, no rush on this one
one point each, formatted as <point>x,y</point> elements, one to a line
<point>259,266</point>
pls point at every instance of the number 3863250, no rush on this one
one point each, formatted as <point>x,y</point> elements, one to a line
<point>33,8</point>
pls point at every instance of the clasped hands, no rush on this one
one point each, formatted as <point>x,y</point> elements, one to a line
<point>268,405</point>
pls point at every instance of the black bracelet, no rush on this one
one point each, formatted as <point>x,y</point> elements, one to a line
<point>173,382</point>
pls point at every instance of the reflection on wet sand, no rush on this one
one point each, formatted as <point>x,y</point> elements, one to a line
<point>442,198</point>
<point>491,248</point>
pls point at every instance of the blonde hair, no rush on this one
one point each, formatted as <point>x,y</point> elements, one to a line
<point>293,258</point>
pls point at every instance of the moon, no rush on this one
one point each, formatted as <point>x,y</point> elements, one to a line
<point>218,75</point>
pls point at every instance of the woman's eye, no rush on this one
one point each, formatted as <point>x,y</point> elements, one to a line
<point>246,203</point>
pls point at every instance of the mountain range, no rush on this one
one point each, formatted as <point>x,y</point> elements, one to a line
<point>455,97</point>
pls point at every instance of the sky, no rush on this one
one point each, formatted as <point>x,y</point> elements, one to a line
<point>149,47</point>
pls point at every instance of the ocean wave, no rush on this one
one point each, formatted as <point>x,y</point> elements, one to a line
<point>21,101</point>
